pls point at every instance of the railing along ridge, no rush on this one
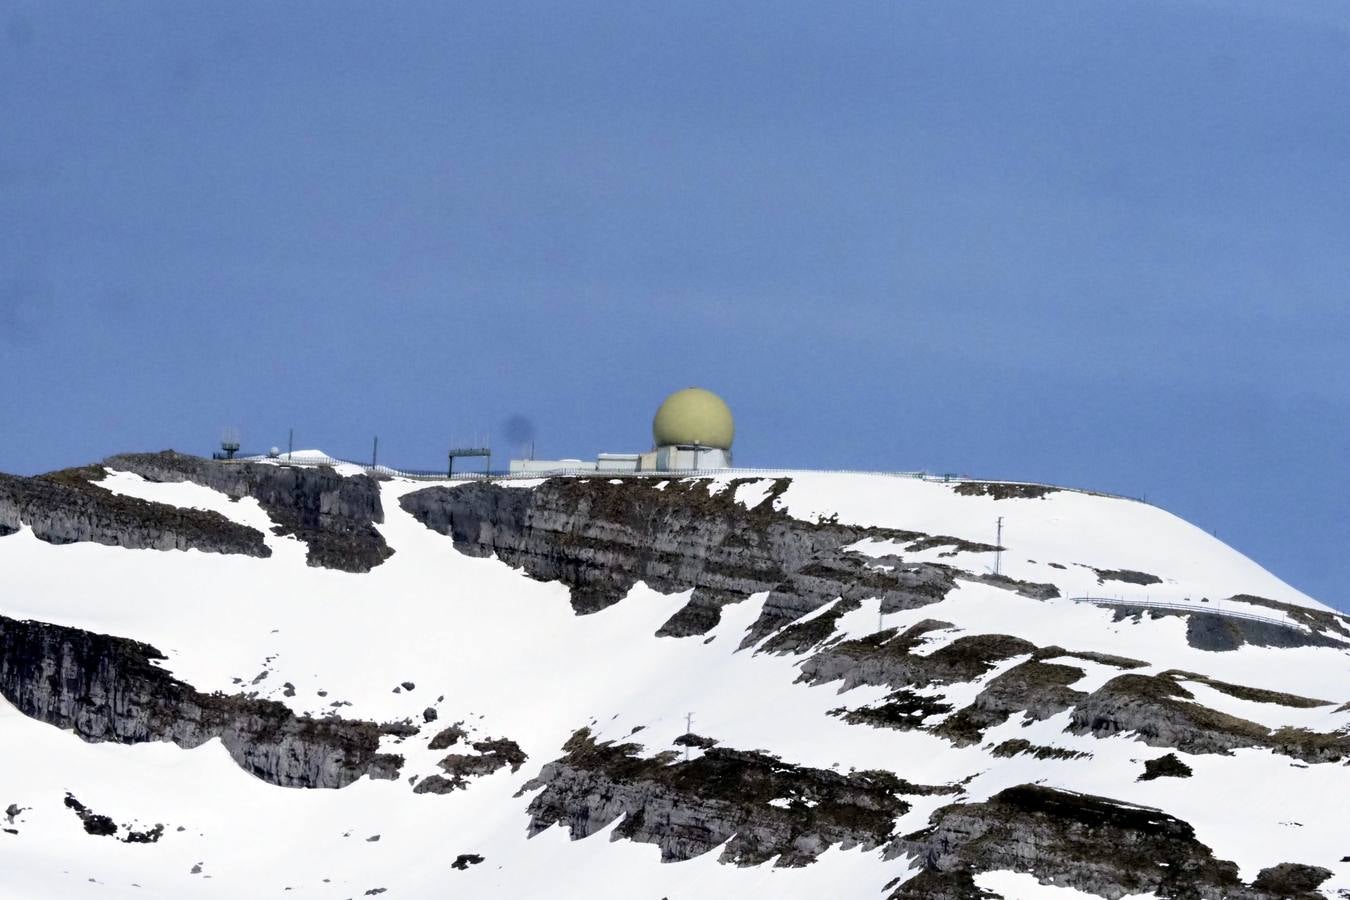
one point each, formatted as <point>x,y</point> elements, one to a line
<point>438,475</point>
<point>1190,608</point>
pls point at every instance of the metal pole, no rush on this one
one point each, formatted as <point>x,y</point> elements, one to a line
<point>375,452</point>
<point>688,729</point>
<point>998,554</point>
<point>290,445</point>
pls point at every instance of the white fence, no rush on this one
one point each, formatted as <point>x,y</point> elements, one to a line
<point>436,475</point>
<point>1210,609</point>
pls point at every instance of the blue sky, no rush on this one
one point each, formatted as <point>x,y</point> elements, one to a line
<point>1099,244</point>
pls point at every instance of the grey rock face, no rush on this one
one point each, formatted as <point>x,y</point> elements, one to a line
<point>1168,765</point>
<point>490,755</point>
<point>689,807</point>
<point>1001,490</point>
<point>1034,688</point>
<point>1090,843</point>
<point>1157,708</point>
<point>108,689</point>
<point>334,514</point>
<point>888,658</point>
<point>1129,576</point>
<point>601,538</point>
<point>69,506</point>
<point>1219,633</point>
<point>1291,880</point>
<point>1162,713</point>
<point>851,577</point>
<point>1321,621</point>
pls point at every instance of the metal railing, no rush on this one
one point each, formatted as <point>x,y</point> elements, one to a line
<point>1190,608</point>
<point>589,472</point>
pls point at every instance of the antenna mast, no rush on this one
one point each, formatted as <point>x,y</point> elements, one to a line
<point>998,553</point>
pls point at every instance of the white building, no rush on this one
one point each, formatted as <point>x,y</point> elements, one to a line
<point>693,429</point>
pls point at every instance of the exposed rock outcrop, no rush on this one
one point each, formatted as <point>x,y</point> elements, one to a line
<point>109,689</point>
<point>104,826</point>
<point>1319,620</point>
<point>1090,843</point>
<point>889,658</point>
<point>1128,576</point>
<point>489,756</point>
<point>1163,713</point>
<point>1034,688</point>
<point>1214,632</point>
<point>601,536</point>
<point>758,805</point>
<point>1158,709</point>
<point>69,506</point>
<point>1003,490</point>
<point>1021,747</point>
<point>334,515</point>
<point>1169,765</point>
<point>1293,880</point>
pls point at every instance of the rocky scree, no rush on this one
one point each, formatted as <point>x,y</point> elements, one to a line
<point>109,689</point>
<point>334,515</point>
<point>69,506</point>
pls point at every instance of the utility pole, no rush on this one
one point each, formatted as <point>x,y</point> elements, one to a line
<point>688,729</point>
<point>998,554</point>
<point>375,452</point>
<point>290,445</point>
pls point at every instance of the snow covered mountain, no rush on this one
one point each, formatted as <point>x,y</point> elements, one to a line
<point>257,680</point>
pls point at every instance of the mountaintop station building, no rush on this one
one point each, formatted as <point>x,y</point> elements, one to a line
<point>693,429</point>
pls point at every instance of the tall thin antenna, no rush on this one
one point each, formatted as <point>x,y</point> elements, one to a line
<point>688,729</point>
<point>998,554</point>
<point>290,445</point>
<point>375,452</point>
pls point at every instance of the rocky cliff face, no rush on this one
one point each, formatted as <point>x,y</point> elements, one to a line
<point>1097,845</point>
<point>1162,712</point>
<point>758,805</point>
<point>109,689</point>
<point>600,537</point>
<point>69,506</point>
<point>1155,709</point>
<point>333,514</point>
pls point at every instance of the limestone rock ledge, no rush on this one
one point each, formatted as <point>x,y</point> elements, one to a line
<point>109,689</point>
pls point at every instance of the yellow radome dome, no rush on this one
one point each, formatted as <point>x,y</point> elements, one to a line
<point>692,417</point>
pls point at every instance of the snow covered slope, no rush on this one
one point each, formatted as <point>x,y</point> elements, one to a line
<point>801,685</point>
